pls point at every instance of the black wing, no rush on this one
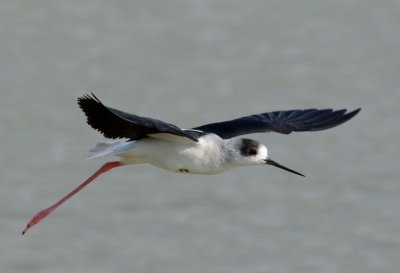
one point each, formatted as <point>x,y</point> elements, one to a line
<point>283,122</point>
<point>113,123</point>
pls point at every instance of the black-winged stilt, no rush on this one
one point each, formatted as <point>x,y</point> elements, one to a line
<point>207,149</point>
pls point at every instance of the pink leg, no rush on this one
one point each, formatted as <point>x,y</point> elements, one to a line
<point>44,213</point>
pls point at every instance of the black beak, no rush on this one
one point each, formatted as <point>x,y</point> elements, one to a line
<point>269,161</point>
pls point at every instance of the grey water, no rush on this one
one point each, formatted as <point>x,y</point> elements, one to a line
<point>191,63</point>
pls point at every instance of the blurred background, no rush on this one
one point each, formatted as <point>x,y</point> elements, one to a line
<point>189,63</point>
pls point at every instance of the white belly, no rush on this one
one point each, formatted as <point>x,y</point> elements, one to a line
<point>203,157</point>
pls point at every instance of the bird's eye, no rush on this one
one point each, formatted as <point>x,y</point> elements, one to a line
<point>252,151</point>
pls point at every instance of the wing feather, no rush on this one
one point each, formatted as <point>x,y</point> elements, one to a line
<point>283,122</point>
<point>113,123</point>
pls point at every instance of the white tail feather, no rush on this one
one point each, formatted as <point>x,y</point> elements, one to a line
<point>111,147</point>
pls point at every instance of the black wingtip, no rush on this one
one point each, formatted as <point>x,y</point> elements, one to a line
<point>354,112</point>
<point>98,116</point>
<point>89,103</point>
<point>336,118</point>
<point>88,98</point>
<point>349,115</point>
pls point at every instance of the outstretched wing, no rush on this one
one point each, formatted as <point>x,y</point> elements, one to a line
<point>283,122</point>
<point>113,123</point>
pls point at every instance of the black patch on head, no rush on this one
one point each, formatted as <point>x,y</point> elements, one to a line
<point>248,147</point>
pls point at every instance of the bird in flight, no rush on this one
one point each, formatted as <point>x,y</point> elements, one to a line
<point>206,149</point>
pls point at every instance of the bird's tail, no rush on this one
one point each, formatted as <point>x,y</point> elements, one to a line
<point>111,147</point>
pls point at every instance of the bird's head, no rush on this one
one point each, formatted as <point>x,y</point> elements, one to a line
<point>255,153</point>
